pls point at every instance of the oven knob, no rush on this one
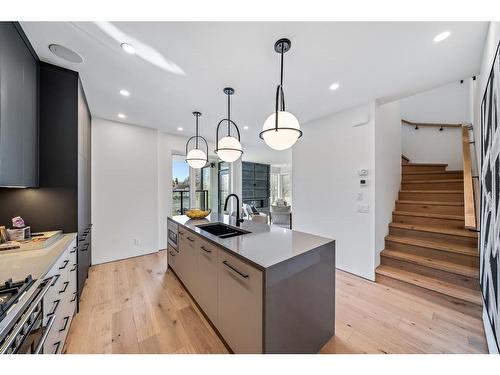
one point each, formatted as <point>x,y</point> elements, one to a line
<point>10,350</point>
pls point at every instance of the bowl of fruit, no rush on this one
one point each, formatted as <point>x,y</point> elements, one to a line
<point>196,213</point>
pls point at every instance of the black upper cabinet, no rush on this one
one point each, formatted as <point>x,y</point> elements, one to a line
<point>18,109</point>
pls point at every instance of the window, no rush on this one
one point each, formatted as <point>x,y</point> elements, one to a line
<point>286,188</point>
<point>275,187</point>
<point>180,185</point>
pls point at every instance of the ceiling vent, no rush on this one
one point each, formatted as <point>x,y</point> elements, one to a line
<point>65,53</point>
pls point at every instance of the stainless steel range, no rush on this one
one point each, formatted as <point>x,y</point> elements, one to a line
<point>21,316</point>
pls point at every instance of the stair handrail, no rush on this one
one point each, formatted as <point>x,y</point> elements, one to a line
<point>469,201</point>
<point>430,124</point>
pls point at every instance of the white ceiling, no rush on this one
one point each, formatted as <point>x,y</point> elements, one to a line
<point>370,60</point>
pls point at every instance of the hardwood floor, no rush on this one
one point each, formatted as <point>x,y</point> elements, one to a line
<point>136,306</point>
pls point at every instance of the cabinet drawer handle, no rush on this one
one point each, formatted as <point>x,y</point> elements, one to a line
<point>66,283</point>
<point>73,269</point>
<point>83,237</point>
<point>235,270</point>
<point>172,253</point>
<point>66,320</point>
<point>205,249</point>
<point>74,297</point>
<point>85,247</point>
<point>181,233</point>
<point>56,278</point>
<point>190,239</point>
<point>57,345</point>
<point>46,332</point>
<point>54,309</point>
<point>73,251</point>
<point>65,264</point>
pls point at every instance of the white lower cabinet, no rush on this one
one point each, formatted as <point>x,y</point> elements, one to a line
<point>207,278</point>
<point>188,250</point>
<point>228,290</point>
<point>240,304</point>
<point>59,303</point>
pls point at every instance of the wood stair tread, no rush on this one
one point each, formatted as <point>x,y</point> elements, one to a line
<point>434,191</point>
<point>430,283</point>
<point>432,181</point>
<point>430,203</point>
<point>430,215</point>
<point>459,269</point>
<point>426,164</point>
<point>434,244</point>
<point>435,229</point>
<point>432,172</point>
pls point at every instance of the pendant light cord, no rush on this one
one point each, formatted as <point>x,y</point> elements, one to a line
<point>229,114</point>
<point>196,139</point>
<point>281,80</point>
<point>279,91</point>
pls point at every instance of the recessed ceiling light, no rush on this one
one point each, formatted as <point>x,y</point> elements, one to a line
<point>245,127</point>
<point>128,48</point>
<point>440,37</point>
<point>65,53</point>
<point>124,92</point>
<point>180,128</point>
<point>334,86</point>
<point>121,115</point>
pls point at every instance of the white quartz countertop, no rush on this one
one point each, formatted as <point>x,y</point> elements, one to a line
<point>265,246</point>
<point>36,263</point>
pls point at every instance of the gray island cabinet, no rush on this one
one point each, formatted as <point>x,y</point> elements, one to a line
<point>271,290</point>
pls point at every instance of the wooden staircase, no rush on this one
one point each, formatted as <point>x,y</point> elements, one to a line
<point>428,251</point>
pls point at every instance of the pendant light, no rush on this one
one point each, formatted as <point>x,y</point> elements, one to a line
<point>197,158</point>
<point>281,129</point>
<point>228,148</point>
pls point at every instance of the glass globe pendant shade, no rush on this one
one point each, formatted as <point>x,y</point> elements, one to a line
<point>229,149</point>
<point>196,158</point>
<point>287,133</point>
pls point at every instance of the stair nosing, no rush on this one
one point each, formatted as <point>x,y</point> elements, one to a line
<point>432,172</point>
<point>433,191</point>
<point>444,181</point>
<point>426,164</point>
<point>406,276</point>
<point>430,203</point>
<point>430,215</point>
<point>434,245</point>
<point>467,271</point>
<point>435,229</point>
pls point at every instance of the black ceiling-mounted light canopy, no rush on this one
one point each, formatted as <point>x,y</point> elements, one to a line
<point>196,157</point>
<point>281,129</point>
<point>228,148</point>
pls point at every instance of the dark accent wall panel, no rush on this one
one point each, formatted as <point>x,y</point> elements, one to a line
<point>256,185</point>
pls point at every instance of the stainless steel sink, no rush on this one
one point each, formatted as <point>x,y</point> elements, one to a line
<point>222,230</point>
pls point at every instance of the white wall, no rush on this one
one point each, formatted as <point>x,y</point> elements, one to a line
<point>124,191</point>
<point>326,186</point>
<point>131,188</point>
<point>387,169</point>
<point>490,47</point>
<point>450,104</point>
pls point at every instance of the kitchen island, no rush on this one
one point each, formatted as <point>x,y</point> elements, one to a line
<point>266,290</point>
